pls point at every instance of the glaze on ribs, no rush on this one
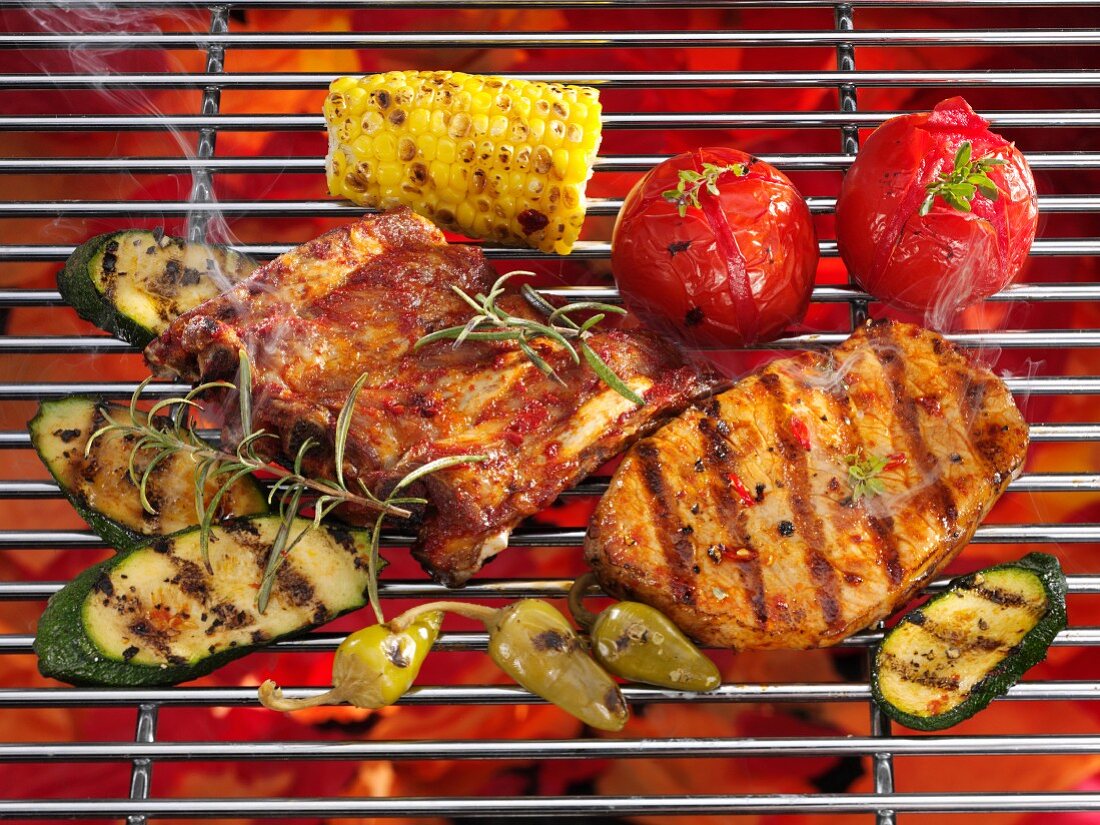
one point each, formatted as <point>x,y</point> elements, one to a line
<point>741,519</point>
<point>355,301</point>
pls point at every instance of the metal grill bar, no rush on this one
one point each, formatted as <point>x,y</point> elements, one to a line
<point>333,208</point>
<point>1004,339</point>
<point>574,537</point>
<point>552,748</point>
<point>550,40</point>
<point>481,589</point>
<point>558,806</point>
<point>454,642</point>
<point>503,695</point>
<point>1026,483</point>
<point>14,440</point>
<point>606,80</point>
<point>634,120</point>
<point>1043,247</point>
<point>609,163</point>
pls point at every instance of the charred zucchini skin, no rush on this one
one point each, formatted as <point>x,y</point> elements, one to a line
<point>78,286</point>
<point>1030,650</point>
<point>114,534</point>
<point>74,282</point>
<point>66,651</point>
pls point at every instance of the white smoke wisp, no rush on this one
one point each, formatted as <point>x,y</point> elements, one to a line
<point>102,61</point>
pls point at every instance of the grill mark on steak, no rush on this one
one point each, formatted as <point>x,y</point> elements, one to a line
<point>880,529</point>
<point>937,497</point>
<point>809,526</point>
<point>678,548</point>
<point>749,569</point>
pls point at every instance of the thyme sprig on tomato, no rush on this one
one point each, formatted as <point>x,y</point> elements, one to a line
<point>692,183</point>
<point>968,177</point>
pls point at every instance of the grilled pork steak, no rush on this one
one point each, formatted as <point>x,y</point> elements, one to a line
<point>814,497</point>
<point>355,301</point>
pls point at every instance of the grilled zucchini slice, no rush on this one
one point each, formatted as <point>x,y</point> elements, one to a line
<point>155,616</point>
<point>134,283</point>
<point>98,484</point>
<point>951,657</point>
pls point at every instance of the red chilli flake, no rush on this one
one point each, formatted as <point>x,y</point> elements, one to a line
<point>742,491</point>
<point>801,432</point>
<point>895,460</point>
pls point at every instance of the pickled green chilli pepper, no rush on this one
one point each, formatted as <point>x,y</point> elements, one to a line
<point>535,645</point>
<point>373,668</point>
<point>641,644</point>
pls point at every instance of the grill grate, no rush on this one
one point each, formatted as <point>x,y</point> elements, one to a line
<point>53,224</point>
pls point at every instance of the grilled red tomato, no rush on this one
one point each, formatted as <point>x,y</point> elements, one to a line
<point>937,212</point>
<point>717,247</point>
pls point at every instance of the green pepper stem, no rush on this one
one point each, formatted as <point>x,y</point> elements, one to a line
<point>583,616</point>
<point>271,697</point>
<point>470,611</point>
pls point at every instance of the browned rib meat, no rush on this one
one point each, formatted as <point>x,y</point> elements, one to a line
<point>727,522</point>
<point>355,300</point>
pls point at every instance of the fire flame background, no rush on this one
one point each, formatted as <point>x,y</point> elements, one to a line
<point>711,775</point>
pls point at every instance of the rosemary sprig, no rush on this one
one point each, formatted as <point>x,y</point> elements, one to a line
<point>863,474</point>
<point>492,323</point>
<point>692,183</point>
<point>967,177</point>
<point>168,429</point>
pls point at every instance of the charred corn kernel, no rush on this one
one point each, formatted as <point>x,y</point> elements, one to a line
<point>512,142</point>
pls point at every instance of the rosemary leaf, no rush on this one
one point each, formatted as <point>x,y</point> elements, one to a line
<point>304,448</point>
<point>343,427</point>
<point>143,486</point>
<point>244,394</point>
<point>591,322</point>
<point>534,299</point>
<point>552,333</point>
<point>473,304</point>
<point>608,376</point>
<point>373,560</point>
<point>211,513</point>
<point>277,554</point>
<point>471,327</point>
<point>584,306</point>
<point>539,362</point>
<point>137,396</point>
<point>435,466</point>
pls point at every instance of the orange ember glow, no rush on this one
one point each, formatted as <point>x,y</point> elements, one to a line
<point>378,778</point>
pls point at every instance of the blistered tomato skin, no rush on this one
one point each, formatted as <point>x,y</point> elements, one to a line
<point>947,259</point>
<point>735,270</point>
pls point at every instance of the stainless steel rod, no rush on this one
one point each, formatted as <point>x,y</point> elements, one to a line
<point>335,208</point>
<point>446,749</point>
<point>268,165</point>
<point>503,695</point>
<point>480,808</point>
<point>574,537</point>
<point>608,80</point>
<point>30,489</point>
<point>1042,247</point>
<point>550,39</point>
<point>455,642</point>
<point>1078,584</point>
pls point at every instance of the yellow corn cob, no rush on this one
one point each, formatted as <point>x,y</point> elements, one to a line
<point>491,157</point>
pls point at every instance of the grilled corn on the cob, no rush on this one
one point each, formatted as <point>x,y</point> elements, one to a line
<point>490,157</point>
